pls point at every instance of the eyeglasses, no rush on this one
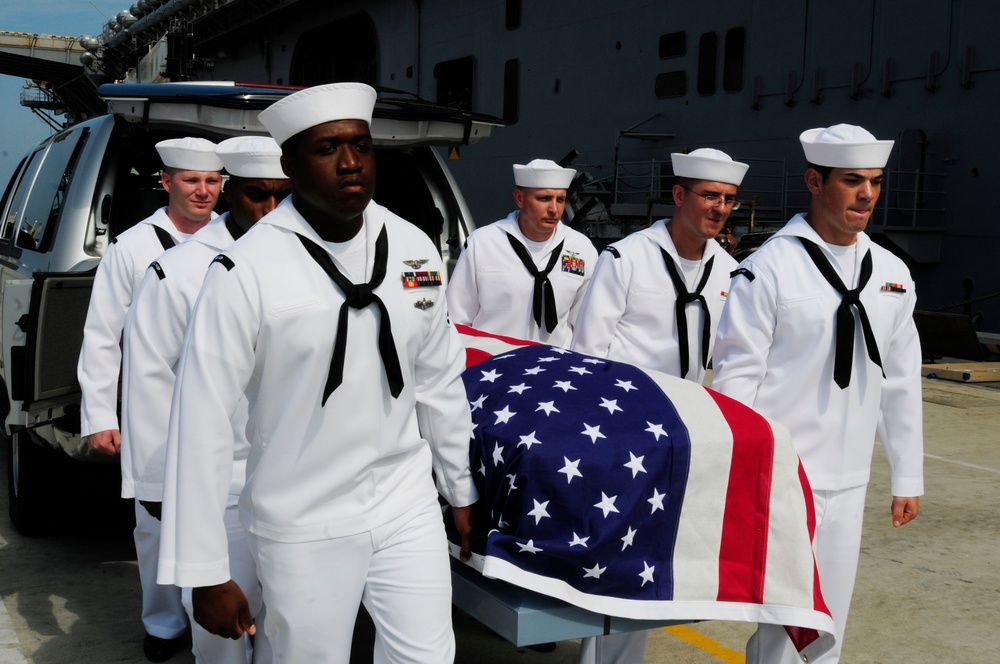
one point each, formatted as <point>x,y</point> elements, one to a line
<point>715,200</point>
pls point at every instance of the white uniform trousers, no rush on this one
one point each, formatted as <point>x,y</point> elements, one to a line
<point>399,571</point>
<point>839,518</point>
<point>162,612</point>
<point>624,648</point>
<point>211,649</point>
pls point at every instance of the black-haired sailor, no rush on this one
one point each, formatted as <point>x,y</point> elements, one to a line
<point>355,399</point>
<point>154,335</point>
<point>818,334</point>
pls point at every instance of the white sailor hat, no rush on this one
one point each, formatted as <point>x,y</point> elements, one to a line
<point>543,174</point>
<point>708,164</point>
<point>313,106</point>
<point>252,157</point>
<point>189,154</point>
<point>844,146</point>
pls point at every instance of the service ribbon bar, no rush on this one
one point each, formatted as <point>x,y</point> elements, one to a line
<point>421,279</point>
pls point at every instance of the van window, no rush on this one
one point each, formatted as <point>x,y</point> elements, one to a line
<point>48,193</point>
<point>24,176</point>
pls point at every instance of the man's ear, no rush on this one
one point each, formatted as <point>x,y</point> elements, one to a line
<point>519,197</point>
<point>287,167</point>
<point>814,181</point>
<point>678,194</point>
<point>165,181</point>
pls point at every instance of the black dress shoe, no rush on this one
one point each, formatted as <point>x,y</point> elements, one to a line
<point>543,647</point>
<point>159,650</point>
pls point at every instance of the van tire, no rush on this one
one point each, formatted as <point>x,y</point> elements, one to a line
<point>31,502</point>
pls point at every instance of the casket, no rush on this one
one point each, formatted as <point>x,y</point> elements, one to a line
<point>635,495</point>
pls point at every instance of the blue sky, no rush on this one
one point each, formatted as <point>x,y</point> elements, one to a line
<point>20,129</point>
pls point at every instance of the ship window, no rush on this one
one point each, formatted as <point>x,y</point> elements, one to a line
<point>732,60</point>
<point>513,14</point>
<point>673,45</point>
<point>352,56</point>
<point>671,84</point>
<point>511,90</point>
<point>454,83</point>
<point>708,47</point>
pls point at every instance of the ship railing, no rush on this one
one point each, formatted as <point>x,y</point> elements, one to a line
<point>770,195</point>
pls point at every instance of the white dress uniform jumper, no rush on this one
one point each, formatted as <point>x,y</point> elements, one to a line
<point>339,489</point>
<point>781,350</point>
<point>494,286</point>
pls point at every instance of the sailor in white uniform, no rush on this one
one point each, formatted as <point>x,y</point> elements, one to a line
<point>818,334</point>
<point>353,375</point>
<point>524,276</point>
<point>192,180</point>
<point>655,301</point>
<point>656,296</point>
<point>154,335</point>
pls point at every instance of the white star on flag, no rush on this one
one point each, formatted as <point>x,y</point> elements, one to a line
<point>596,571</point>
<point>646,574</point>
<point>482,468</point>
<point>625,385</point>
<point>657,500</point>
<point>611,405</point>
<point>656,430</point>
<point>579,541</point>
<point>548,359</point>
<point>580,370</point>
<point>635,465</point>
<point>593,360</point>
<point>497,454</point>
<point>478,403</point>
<point>548,406</point>
<point>529,440</point>
<point>593,432</point>
<point>503,416</point>
<point>564,385</point>
<point>539,512</point>
<point>607,504</point>
<point>629,536</point>
<point>529,547</point>
<point>489,376</point>
<point>512,478</point>
<point>518,388</point>
<point>572,469</point>
<point>534,371</point>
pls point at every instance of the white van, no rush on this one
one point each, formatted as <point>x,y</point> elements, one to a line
<point>77,190</point>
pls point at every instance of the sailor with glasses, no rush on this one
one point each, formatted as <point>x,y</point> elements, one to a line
<point>656,295</point>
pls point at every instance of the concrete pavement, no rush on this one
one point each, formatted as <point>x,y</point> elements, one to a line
<point>927,592</point>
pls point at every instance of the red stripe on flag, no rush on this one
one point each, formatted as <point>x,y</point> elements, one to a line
<point>474,356</point>
<point>473,332</point>
<point>743,549</point>
<point>818,603</point>
<point>802,636</point>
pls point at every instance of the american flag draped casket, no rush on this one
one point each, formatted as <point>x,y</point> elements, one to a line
<point>631,493</point>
